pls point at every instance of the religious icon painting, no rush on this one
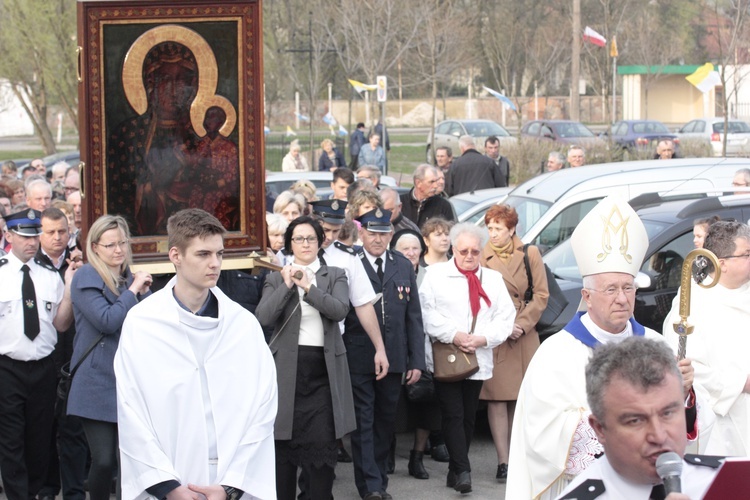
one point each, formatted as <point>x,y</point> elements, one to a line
<point>171,107</point>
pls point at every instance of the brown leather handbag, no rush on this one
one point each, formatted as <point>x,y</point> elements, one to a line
<point>451,363</point>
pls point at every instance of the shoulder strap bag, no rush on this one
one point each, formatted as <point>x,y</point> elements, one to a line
<point>555,304</point>
<point>66,379</point>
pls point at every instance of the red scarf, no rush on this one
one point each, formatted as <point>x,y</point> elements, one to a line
<point>475,289</point>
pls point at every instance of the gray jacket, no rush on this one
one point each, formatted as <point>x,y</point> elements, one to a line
<point>279,308</point>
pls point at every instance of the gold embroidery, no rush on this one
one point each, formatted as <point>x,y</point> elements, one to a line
<point>615,223</point>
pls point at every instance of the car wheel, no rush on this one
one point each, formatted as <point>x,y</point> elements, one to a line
<point>428,154</point>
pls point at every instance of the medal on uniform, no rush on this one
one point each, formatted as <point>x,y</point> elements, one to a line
<point>408,294</point>
<point>400,293</point>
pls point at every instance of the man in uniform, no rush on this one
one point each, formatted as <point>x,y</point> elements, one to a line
<point>552,440</point>
<point>400,320</point>
<point>634,390</point>
<point>331,214</point>
<point>196,382</point>
<point>35,305</point>
<point>68,442</point>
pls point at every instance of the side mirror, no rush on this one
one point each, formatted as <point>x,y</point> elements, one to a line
<point>642,281</point>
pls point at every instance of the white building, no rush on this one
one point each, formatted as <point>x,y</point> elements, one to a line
<point>13,118</point>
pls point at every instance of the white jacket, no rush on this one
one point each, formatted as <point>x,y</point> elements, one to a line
<point>444,295</point>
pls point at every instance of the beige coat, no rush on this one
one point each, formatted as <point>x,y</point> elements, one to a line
<point>513,356</point>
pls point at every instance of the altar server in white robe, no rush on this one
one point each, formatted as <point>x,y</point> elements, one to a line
<point>720,342</point>
<point>196,383</point>
<point>553,441</point>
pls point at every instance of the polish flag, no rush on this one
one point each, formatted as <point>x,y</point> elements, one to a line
<point>592,36</point>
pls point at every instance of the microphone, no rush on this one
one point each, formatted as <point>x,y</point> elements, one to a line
<point>669,468</point>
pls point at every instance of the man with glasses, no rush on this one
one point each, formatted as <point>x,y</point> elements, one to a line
<point>719,344</point>
<point>552,440</point>
<point>72,181</point>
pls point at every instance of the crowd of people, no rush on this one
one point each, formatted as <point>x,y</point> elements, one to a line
<point>183,393</point>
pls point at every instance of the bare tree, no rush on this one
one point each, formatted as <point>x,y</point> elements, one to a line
<point>38,46</point>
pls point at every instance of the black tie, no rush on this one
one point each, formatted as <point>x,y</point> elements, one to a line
<point>658,492</point>
<point>30,313</point>
<point>379,263</point>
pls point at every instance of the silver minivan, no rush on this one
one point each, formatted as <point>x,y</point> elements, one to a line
<point>551,205</point>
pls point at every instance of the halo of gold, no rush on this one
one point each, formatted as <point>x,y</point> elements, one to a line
<point>208,75</point>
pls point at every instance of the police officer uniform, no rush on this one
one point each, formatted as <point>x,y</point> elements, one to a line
<point>339,255</point>
<point>400,319</point>
<point>27,369</point>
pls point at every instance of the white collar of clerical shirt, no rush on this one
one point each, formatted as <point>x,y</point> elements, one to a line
<point>603,336</point>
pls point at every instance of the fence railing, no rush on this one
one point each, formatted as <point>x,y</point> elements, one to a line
<point>277,146</point>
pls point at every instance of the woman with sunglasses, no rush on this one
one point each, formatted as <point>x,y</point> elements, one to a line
<point>304,303</point>
<point>103,291</point>
<point>468,306</point>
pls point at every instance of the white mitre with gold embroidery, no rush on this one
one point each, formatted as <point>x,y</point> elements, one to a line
<point>610,239</point>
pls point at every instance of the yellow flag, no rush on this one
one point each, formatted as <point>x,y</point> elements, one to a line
<point>361,87</point>
<point>704,78</point>
<point>613,47</point>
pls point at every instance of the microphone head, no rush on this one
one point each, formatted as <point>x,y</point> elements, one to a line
<point>669,464</point>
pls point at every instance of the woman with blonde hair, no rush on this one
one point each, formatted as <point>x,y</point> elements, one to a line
<point>103,291</point>
<point>306,188</point>
<point>294,161</point>
<point>290,205</point>
<point>331,158</point>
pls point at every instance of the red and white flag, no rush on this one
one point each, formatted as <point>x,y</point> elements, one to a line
<point>592,36</point>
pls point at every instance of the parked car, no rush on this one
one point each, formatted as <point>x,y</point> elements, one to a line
<point>640,135</point>
<point>471,206</point>
<point>711,131</point>
<point>448,132</point>
<point>72,158</point>
<point>277,182</point>
<point>669,225</point>
<point>564,131</point>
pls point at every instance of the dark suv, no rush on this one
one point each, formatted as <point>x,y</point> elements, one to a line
<point>669,224</point>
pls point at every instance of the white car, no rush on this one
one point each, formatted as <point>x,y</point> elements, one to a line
<point>711,130</point>
<point>277,182</point>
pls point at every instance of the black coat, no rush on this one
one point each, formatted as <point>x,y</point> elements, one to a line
<point>325,163</point>
<point>472,171</point>
<point>400,324</point>
<point>420,212</point>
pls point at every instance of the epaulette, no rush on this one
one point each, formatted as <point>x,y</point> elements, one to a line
<point>344,248</point>
<point>712,461</point>
<point>3,262</point>
<point>587,490</point>
<point>46,265</point>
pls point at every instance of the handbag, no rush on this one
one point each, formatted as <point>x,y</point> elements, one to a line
<point>556,303</point>
<point>66,379</point>
<point>423,391</point>
<point>451,363</point>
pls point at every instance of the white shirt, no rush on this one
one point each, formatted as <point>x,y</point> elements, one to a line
<point>372,260</point>
<point>311,325</point>
<point>360,289</point>
<point>49,289</point>
<point>694,480</point>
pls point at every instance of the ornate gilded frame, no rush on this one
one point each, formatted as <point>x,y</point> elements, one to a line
<point>114,37</point>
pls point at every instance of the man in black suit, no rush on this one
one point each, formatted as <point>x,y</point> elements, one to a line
<point>400,318</point>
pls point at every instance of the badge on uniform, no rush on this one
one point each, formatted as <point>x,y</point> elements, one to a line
<point>29,304</point>
<point>48,306</point>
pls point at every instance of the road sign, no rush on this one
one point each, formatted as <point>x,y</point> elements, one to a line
<point>382,88</point>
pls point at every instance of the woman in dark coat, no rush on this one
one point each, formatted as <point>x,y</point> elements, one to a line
<point>103,291</point>
<point>504,253</point>
<point>331,158</point>
<point>304,303</point>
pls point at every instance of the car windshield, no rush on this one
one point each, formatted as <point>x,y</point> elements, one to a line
<point>529,211</point>
<point>485,129</point>
<point>461,206</point>
<point>649,128</point>
<point>573,130</point>
<point>563,264</point>
<point>734,127</point>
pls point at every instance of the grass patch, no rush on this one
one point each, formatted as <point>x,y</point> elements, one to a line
<point>402,160</point>
<point>21,153</point>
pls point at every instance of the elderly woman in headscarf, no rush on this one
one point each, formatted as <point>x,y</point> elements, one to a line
<point>468,306</point>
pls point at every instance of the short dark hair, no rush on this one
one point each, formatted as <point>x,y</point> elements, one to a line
<point>447,150</point>
<point>191,223</point>
<point>642,362</point>
<point>305,219</point>
<point>54,214</point>
<point>360,125</point>
<point>721,236</point>
<point>492,140</point>
<point>344,174</point>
